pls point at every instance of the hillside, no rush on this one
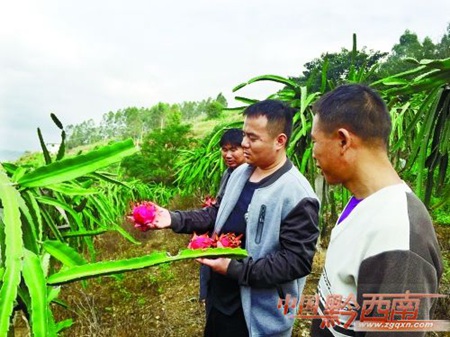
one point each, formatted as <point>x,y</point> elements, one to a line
<point>201,127</point>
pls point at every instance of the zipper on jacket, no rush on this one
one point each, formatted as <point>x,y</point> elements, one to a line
<point>259,229</point>
<point>280,291</point>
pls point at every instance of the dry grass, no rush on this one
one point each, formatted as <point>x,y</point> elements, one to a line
<point>201,127</point>
<point>163,301</point>
<point>159,301</point>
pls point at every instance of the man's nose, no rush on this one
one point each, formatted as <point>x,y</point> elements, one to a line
<point>244,142</point>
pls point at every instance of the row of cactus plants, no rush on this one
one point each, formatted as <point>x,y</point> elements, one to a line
<point>48,218</point>
<point>419,104</point>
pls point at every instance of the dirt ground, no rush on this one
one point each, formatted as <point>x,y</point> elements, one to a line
<point>162,300</point>
<point>158,301</point>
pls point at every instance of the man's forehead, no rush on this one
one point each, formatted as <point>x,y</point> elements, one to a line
<point>316,129</point>
<point>255,121</point>
<point>315,123</point>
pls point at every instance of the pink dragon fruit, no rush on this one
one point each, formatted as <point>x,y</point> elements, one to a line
<point>143,215</point>
<point>200,241</point>
<point>228,240</point>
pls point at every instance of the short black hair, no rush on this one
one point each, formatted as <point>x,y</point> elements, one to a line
<point>232,137</point>
<point>279,116</point>
<point>358,108</point>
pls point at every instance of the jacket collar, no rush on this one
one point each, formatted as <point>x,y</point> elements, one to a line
<point>277,174</point>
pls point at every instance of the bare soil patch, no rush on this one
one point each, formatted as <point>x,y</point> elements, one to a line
<point>163,300</point>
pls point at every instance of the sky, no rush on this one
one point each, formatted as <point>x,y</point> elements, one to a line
<point>81,59</point>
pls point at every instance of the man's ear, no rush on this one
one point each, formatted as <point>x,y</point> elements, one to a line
<point>345,139</point>
<point>281,140</point>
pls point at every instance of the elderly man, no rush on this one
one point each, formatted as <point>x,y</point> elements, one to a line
<point>272,204</point>
<point>384,241</point>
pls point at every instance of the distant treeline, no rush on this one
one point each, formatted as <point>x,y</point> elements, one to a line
<point>136,122</point>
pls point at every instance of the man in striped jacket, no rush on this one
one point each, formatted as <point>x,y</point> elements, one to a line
<point>384,241</point>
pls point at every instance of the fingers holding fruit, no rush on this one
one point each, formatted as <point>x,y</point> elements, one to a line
<point>147,215</point>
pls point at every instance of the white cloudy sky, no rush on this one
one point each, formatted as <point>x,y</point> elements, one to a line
<point>81,59</point>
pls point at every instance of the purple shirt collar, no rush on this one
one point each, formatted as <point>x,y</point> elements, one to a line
<point>349,208</point>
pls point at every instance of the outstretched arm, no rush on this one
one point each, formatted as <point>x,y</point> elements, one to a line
<point>201,220</point>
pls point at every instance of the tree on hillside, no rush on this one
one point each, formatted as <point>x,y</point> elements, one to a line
<point>188,109</point>
<point>135,122</point>
<point>113,124</point>
<point>336,66</point>
<point>409,46</point>
<point>214,109</point>
<point>222,100</point>
<point>443,47</point>
<point>82,134</point>
<point>155,162</point>
<point>158,112</point>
